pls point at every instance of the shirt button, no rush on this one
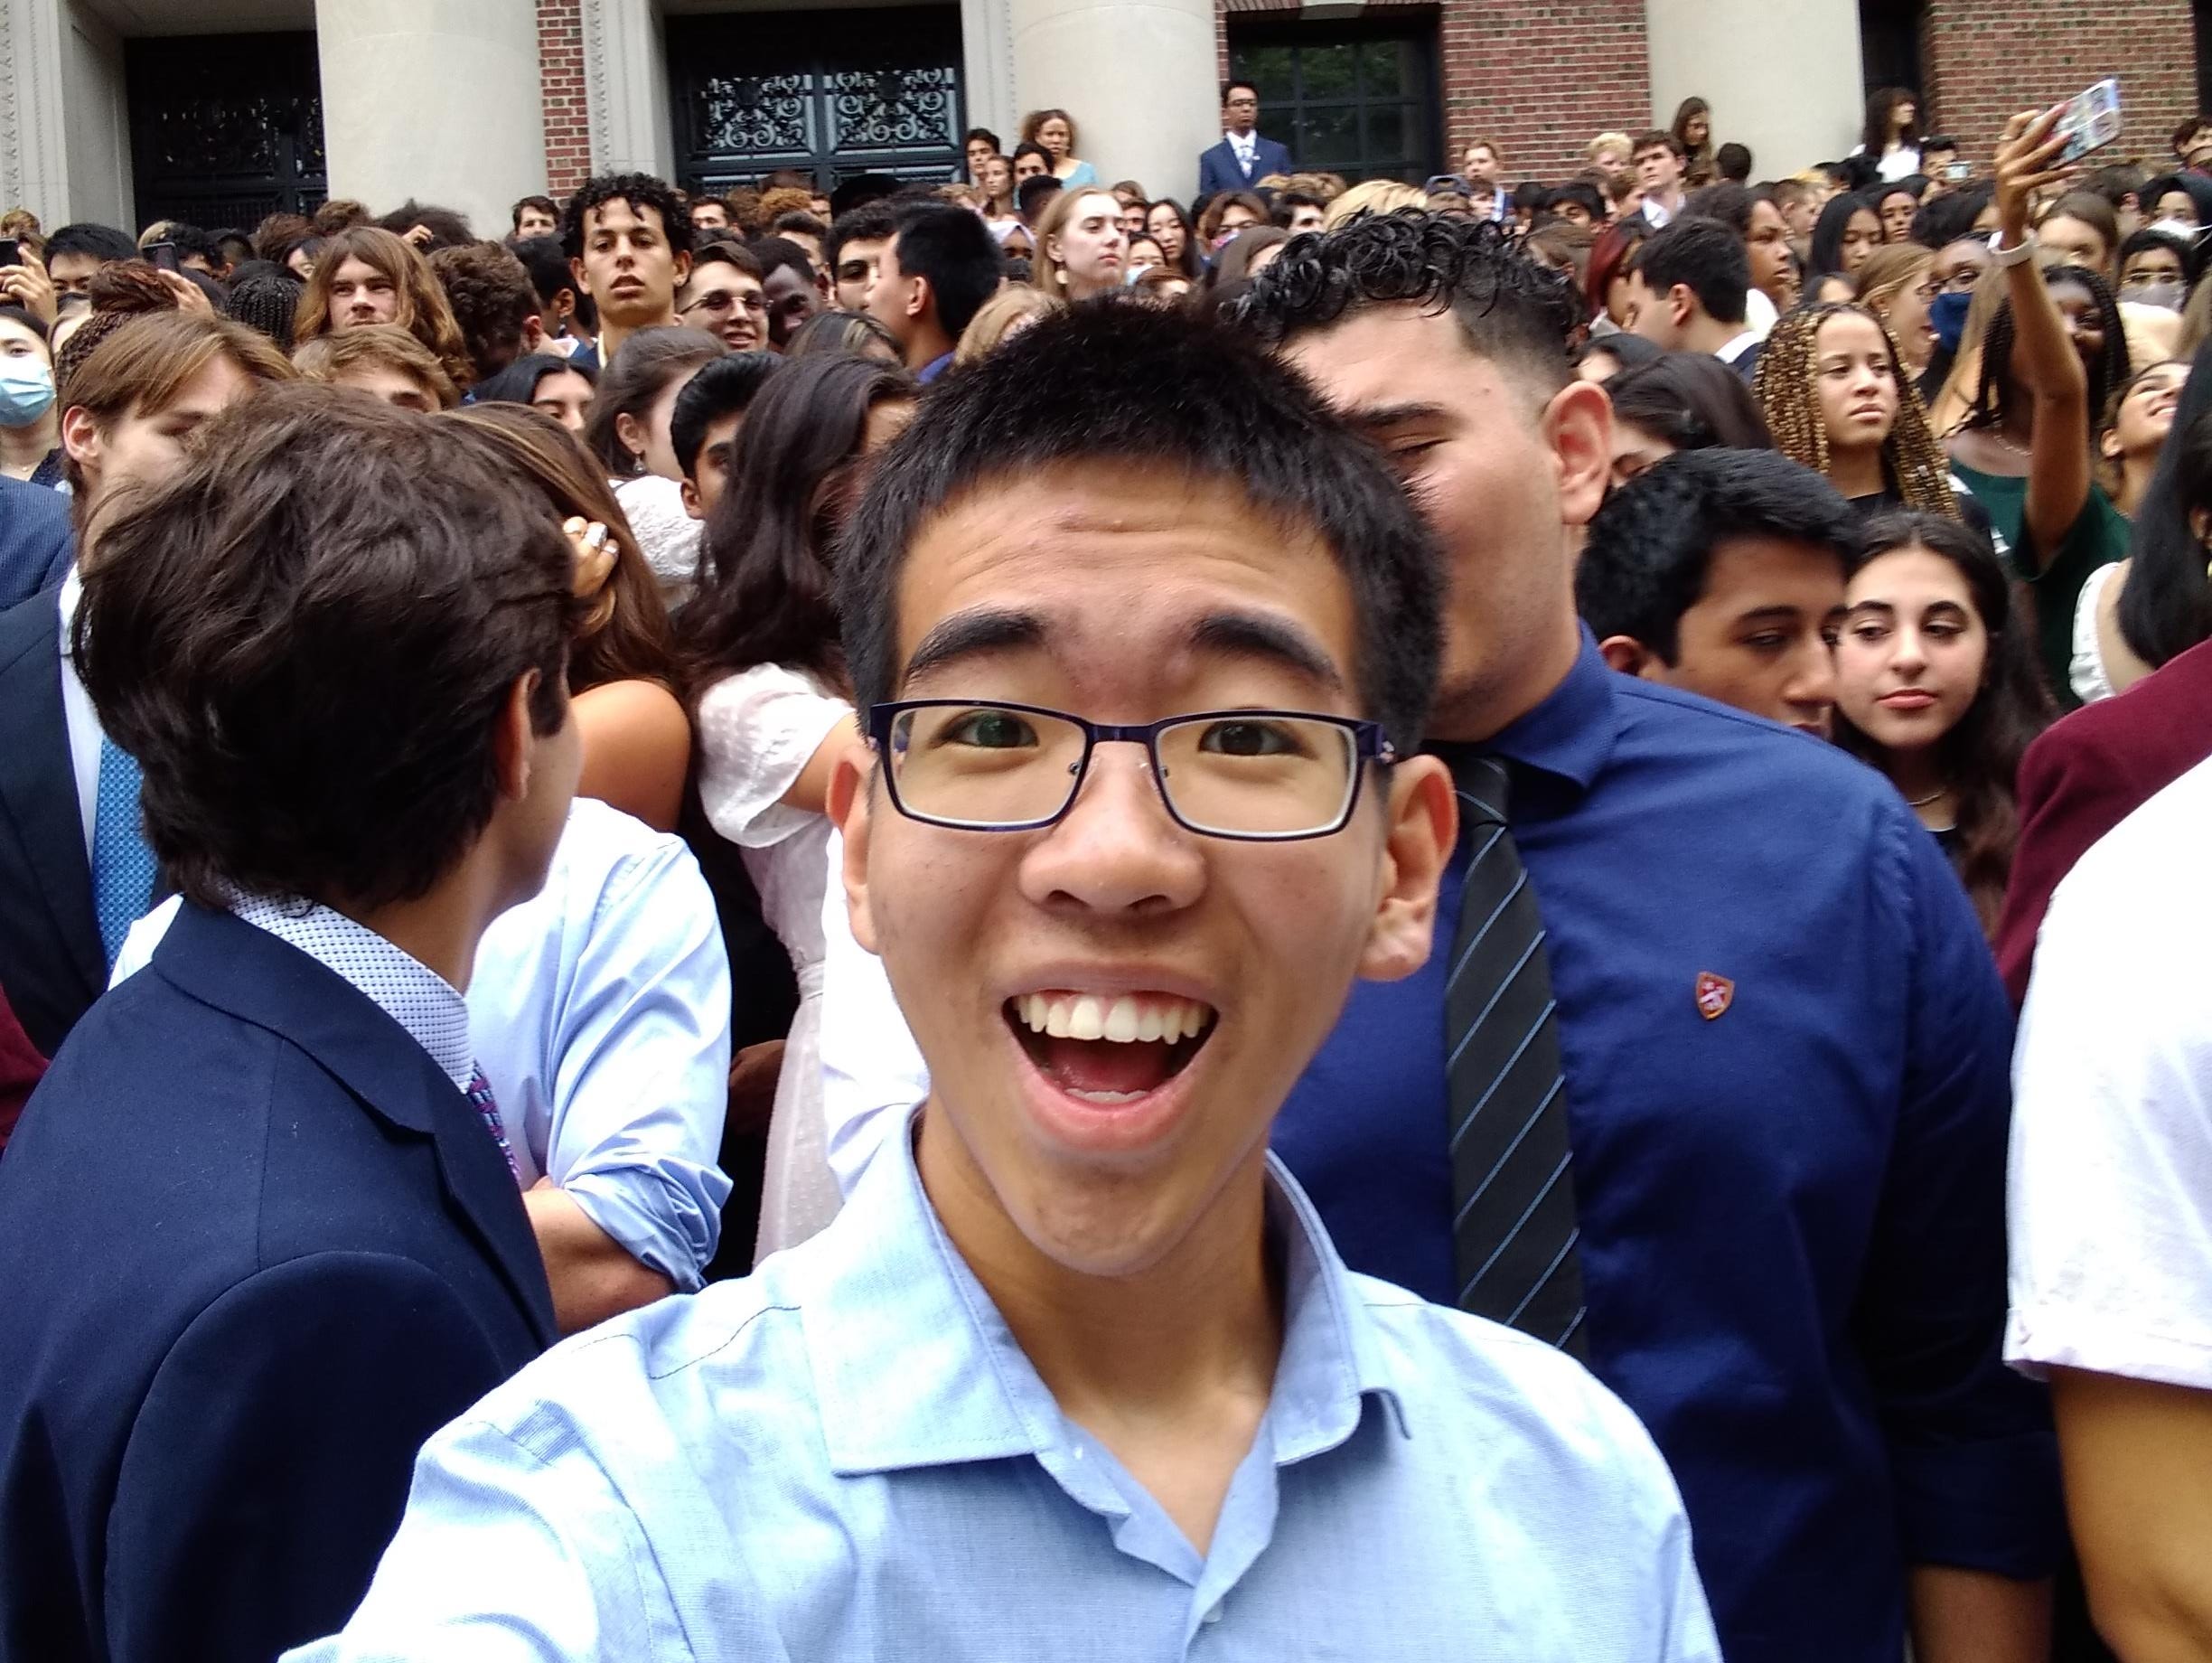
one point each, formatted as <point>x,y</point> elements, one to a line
<point>1215,1615</point>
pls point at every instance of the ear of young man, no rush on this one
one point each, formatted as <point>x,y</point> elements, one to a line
<point>1628,655</point>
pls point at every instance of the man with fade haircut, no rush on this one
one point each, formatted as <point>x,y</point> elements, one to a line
<point>703,423</point>
<point>1686,292</point>
<point>1722,572</point>
<point>1742,970</point>
<point>858,237</point>
<point>1141,633</point>
<point>262,1229</point>
<point>940,267</point>
<point>74,252</point>
<point>629,246</point>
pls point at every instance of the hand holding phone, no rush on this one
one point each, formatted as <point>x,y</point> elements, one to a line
<point>2092,120</point>
<point>11,251</point>
<point>164,256</point>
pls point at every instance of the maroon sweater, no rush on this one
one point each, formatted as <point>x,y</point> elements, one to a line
<point>21,1068</point>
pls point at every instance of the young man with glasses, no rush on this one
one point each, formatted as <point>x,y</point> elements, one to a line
<point>725,296</point>
<point>1143,636</point>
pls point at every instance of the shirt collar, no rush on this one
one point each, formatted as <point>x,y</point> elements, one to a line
<point>1569,733</point>
<point>913,1366</point>
<point>423,1003</point>
<point>68,601</point>
<point>1729,351</point>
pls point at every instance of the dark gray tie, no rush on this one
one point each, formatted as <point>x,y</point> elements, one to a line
<point>1514,1229</point>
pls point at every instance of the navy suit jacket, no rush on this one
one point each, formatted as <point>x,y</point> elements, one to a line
<point>52,964</point>
<point>259,1249</point>
<point>36,544</point>
<point>1218,169</point>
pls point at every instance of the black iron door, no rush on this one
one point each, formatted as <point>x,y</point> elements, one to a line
<point>225,128</point>
<point>831,93</point>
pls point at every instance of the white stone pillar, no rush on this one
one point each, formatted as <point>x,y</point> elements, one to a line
<point>626,84</point>
<point>1139,80</point>
<point>1794,97</point>
<point>436,100</point>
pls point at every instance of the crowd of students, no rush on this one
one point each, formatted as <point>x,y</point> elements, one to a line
<point>1294,925</point>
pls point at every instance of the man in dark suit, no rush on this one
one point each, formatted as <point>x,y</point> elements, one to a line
<point>36,545</point>
<point>72,876</point>
<point>1242,158</point>
<point>262,1233</point>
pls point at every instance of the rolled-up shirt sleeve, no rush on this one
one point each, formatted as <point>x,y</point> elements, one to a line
<point>1972,1455</point>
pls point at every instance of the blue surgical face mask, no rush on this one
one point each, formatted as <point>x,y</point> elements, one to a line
<point>26,391</point>
<point>1947,317</point>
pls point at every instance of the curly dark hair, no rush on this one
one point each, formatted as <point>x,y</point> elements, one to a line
<point>1508,307</point>
<point>493,300</point>
<point>2110,371</point>
<point>1980,757</point>
<point>641,191</point>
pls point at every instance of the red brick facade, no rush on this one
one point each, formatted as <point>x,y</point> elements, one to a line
<point>560,74</point>
<point>1540,81</point>
<point>1982,61</point>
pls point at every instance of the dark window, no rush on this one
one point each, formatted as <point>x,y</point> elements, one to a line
<point>831,93</point>
<point>1890,47</point>
<point>1357,99</point>
<point>2200,12</point>
<point>225,128</point>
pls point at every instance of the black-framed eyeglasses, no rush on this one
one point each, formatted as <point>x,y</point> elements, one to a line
<point>724,300</point>
<point>1250,775</point>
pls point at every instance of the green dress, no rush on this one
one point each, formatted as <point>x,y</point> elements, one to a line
<point>2098,537</point>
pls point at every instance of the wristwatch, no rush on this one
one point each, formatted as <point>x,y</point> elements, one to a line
<point>2010,257</point>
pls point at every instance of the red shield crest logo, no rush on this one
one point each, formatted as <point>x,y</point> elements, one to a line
<point>1715,994</point>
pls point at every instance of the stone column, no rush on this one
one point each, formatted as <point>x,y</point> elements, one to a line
<point>1793,108</point>
<point>436,100</point>
<point>1139,79</point>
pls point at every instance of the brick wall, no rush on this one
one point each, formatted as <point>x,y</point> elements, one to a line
<point>560,71</point>
<point>1539,81</point>
<point>1982,61</point>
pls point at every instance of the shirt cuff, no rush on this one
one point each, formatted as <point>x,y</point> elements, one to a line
<point>679,1247</point>
<point>2039,1337</point>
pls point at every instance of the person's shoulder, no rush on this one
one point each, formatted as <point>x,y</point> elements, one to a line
<point>31,623</point>
<point>1492,1384</point>
<point>2143,855</point>
<point>1686,731</point>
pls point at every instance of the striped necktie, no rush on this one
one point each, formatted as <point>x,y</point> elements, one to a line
<point>481,1098</point>
<point>1514,1228</point>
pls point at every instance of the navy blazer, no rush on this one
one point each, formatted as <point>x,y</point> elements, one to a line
<point>1218,170</point>
<point>36,543</point>
<point>51,963</point>
<point>259,1247</point>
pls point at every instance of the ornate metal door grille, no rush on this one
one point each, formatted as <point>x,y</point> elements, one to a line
<point>832,93</point>
<point>225,128</point>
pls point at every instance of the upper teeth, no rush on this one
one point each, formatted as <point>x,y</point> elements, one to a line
<point>1125,1019</point>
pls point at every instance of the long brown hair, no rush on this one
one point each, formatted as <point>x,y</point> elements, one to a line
<point>422,311</point>
<point>1786,385</point>
<point>625,635</point>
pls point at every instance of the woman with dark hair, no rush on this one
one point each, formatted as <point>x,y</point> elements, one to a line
<point>1936,687</point>
<point>368,275</point>
<point>1847,231</point>
<point>1693,130</point>
<point>2183,199</point>
<point>1171,228</point>
<point>1892,136</point>
<point>2166,608</point>
<point>628,430</point>
<point>1052,131</point>
<point>852,335</point>
<point>622,674</point>
<point>1895,204</point>
<point>774,705</point>
<point>559,387</point>
<point>1601,358</point>
<point>2080,228</point>
<point>2133,437</point>
<point>1608,288</point>
<point>1681,401</point>
<point>2156,267</point>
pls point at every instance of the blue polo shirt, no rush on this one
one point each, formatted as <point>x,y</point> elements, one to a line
<point>1793,1210</point>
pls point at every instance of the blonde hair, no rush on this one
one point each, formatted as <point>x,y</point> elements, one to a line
<point>1890,269</point>
<point>1371,196</point>
<point>1011,308</point>
<point>1047,272</point>
<point>1608,141</point>
<point>1787,388</point>
<point>384,346</point>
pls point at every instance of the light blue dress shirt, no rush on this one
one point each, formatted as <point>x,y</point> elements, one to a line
<point>847,1456</point>
<point>599,1011</point>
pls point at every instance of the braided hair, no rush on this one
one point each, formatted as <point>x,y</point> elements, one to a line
<point>1787,388</point>
<point>2111,370</point>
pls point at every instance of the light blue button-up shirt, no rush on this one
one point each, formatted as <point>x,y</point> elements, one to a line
<point>847,1456</point>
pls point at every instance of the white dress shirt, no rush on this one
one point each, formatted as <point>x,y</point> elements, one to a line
<point>2110,1193</point>
<point>872,1071</point>
<point>78,714</point>
<point>599,1012</point>
<point>1246,147</point>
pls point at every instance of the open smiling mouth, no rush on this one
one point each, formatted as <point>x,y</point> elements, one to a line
<point>1108,1048</point>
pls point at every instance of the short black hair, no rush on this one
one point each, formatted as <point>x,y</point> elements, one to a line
<point>104,243</point>
<point>1650,546</point>
<point>801,219</point>
<point>1705,257</point>
<point>548,266</point>
<point>543,204</point>
<point>984,134</point>
<point>1106,380</point>
<point>448,228</point>
<point>724,251</point>
<point>1942,221</point>
<point>776,253</point>
<point>1231,85</point>
<point>1285,207</point>
<point>641,191</point>
<point>234,246</point>
<point>722,387</point>
<point>1724,200</point>
<point>1938,141</point>
<point>1692,400</point>
<point>1033,192</point>
<point>1585,195</point>
<point>1733,161</point>
<point>872,222</point>
<point>1509,308</point>
<point>954,249</point>
<point>189,240</point>
<point>1655,136</point>
<point>308,637</point>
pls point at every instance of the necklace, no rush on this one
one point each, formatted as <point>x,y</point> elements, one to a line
<point>1936,795</point>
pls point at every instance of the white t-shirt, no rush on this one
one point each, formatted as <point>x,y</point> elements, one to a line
<point>2111,1181</point>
